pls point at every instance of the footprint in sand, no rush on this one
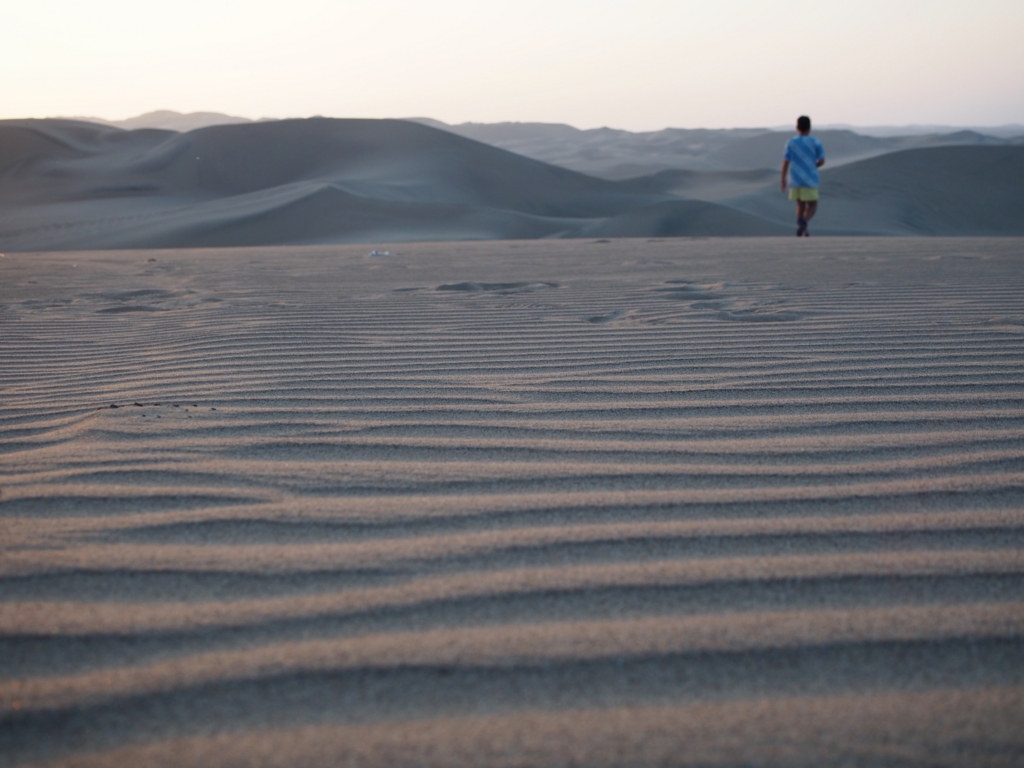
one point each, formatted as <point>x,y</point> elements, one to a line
<point>684,290</point>
<point>709,297</point>
<point>759,315</point>
<point>143,300</point>
<point>499,288</point>
<point>41,305</point>
<point>609,317</point>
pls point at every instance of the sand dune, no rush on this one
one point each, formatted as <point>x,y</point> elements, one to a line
<point>388,159</point>
<point>73,185</point>
<point>938,191</point>
<point>310,181</point>
<point>947,191</point>
<point>548,503</point>
<point>616,154</point>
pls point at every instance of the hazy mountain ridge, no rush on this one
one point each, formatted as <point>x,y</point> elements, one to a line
<point>169,120</point>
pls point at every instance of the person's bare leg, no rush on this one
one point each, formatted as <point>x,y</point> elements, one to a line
<point>801,220</point>
<point>809,211</point>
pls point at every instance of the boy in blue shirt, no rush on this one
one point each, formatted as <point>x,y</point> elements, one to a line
<point>803,157</point>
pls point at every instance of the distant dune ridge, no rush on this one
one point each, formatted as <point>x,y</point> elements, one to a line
<point>629,503</point>
<point>68,184</point>
<point>617,154</point>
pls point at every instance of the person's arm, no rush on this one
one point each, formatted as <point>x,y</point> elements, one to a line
<point>785,170</point>
<point>820,162</point>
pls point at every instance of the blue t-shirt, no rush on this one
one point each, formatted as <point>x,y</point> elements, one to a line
<point>803,153</point>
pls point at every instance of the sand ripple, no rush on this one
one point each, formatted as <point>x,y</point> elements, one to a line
<point>566,503</point>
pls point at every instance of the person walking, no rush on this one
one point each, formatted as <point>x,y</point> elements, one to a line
<point>803,157</point>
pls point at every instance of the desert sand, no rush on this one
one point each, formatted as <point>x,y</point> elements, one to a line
<point>599,502</point>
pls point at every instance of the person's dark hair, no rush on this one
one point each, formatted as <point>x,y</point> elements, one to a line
<point>803,123</point>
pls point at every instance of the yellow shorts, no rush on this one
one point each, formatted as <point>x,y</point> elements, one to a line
<point>804,194</point>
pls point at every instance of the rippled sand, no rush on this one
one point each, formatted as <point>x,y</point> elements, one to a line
<point>627,503</point>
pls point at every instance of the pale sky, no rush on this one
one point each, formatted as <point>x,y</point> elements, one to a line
<point>634,64</point>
